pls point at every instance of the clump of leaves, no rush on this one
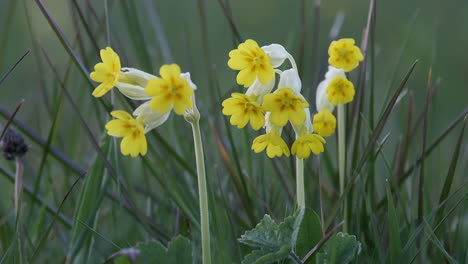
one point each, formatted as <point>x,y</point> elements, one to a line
<point>292,240</point>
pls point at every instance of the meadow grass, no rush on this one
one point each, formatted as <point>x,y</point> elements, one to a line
<point>405,188</point>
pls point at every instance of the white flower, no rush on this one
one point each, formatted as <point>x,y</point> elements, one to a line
<point>260,90</point>
<point>151,118</point>
<point>277,53</point>
<point>321,99</point>
<point>290,78</point>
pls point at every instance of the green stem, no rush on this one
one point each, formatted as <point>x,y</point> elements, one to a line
<point>341,159</point>
<point>202,190</point>
<point>300,182</point>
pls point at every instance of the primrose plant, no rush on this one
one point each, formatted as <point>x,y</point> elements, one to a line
<point>171,91</point>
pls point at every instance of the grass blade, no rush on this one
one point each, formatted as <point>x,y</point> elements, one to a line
<point>451,172</point>
<point>370,145</point>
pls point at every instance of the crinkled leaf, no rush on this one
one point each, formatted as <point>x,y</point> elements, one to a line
<point>307,233</point>
<point>266,256</point>
<point>340,249</point>
<point>273,240</point>
<point>267,234</point>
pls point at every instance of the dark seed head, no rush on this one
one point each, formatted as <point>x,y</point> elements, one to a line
<point>13,145</point>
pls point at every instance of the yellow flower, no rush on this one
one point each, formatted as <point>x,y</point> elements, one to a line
<point>106,72</point>
<point>307,143</point>
<point>253,62</point>
<point>344,54</point>
<point>340,91</point>
<point>132,132</point>
<point>274,144</point>
<point>324,123</point>
<point>284,105</point>
<point>243,109</point>
<point>171,90</point>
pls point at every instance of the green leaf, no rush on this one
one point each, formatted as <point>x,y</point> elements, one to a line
<point>340,249</point>
<point>179,251</point>
<point>267,234</point>
<point>266,256</point>
<point>307,233</point>
<point>273,240</point>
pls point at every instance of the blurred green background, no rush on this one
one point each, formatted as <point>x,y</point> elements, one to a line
<point>432,31</point>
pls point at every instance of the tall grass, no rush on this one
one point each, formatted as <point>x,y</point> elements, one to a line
<point>405,187</point>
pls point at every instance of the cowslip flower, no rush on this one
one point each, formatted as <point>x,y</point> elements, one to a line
<point>171,90</point>
<point>254,62</point>
<point>150,118</point>
<point>244,109</point>
<point>285,105</point>
<point>306,144</point>
<point>272,142</point>
<point>132,132</point>
<point>106,72</point>
<point>340,91</point>
<point>344,54</point>
<point>324,123</point>
<point>307,141</point>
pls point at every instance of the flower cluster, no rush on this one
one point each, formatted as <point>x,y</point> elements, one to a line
<point>335,88</point>
<point>172,90</point>
<point>261,107</point>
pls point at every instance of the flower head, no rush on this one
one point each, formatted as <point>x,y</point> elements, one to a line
<point>324,123</point>
<point>285,105</point>
<point>274,144</point>
<point>253,62</point>
<point>132,132</point>
<point>171,90</point>
<point>306,144</point>
<point>106,72</point>
<point>340,91</point>
<point>321,97</point>
<point>344,54</point>
<point>243,109</point>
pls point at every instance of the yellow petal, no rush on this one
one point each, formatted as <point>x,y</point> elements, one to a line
<point>182,104</point>
<point>246,77</point>
<point>168,71</point>
<point>266,75</point>
<point>160,104</point>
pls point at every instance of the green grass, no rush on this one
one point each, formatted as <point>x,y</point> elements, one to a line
<point>83,201</point>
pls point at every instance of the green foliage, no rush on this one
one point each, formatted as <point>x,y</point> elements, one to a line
<point>308,234</point>
<point>339,249</point>
<point>296,236</point>
<point>178,251</point>
<point>273,240</point>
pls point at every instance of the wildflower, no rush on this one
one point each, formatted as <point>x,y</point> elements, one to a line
<point>321,98</point>
<point>340,91</point>
<point>274,144</point>
<point>285,105</point>
<point>244,109</point>
<point>150,118</point>
<point>344,54</point>
<point>290,78</point>
<point>106,72</point>
<point>306,144</point>
<point>132,83</point>
<point>132,132</point>
<point>259,90</point>
<point>324,123</point>
<point>170,91</point>
<point>253,62</point>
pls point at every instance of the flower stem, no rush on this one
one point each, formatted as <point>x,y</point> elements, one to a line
<point>341,159</point>
<point>300,182</point>
<point>202,191</point>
